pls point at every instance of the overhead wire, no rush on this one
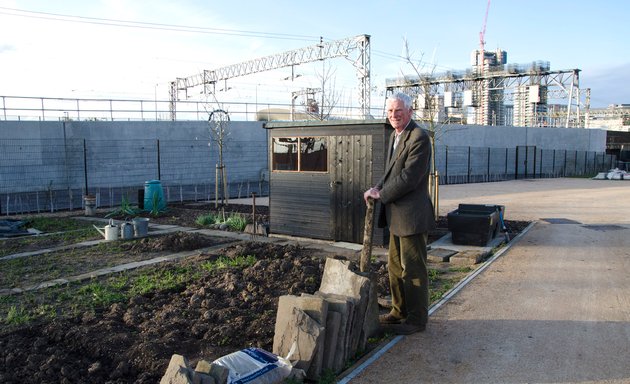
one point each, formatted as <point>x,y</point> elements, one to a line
<point>149,25</point>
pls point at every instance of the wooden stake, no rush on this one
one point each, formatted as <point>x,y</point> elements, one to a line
<point>366,252</point>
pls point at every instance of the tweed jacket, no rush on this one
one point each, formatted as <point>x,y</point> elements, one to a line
<point>406,207</point>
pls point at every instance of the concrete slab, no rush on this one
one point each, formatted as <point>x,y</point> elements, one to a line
<point>339,279</point>
<point>446,243</point>
<point>291,327</point>
<point>343,305</point>
<point>440,255</point>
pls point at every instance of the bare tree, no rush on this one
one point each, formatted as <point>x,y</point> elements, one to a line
<point>429,106</point>
<point>329,98</point>
<point>218,121</point>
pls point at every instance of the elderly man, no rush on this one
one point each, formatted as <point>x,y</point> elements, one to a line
<point>407,210</point>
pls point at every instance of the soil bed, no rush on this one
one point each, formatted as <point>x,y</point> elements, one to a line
<point>215,303</point>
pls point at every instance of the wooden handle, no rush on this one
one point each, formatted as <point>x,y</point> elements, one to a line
<point>366,252</point>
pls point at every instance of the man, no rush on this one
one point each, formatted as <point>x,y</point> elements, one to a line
<point>407,210</point>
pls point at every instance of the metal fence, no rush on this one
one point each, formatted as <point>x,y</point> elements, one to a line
<point>457,165</point>
<point>38,175</point>
<point>51,175</point>
<point>18,108</point>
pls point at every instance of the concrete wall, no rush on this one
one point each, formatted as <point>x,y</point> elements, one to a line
<point>511,137</point>
<point>50,165</point>
<point>42,162</point>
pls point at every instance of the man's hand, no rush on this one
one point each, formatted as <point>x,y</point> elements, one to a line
<point>371,193</point>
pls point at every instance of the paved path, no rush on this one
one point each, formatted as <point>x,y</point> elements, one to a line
<point>553,308</point>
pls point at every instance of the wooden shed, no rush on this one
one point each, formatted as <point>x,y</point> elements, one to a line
<point>318,173</point>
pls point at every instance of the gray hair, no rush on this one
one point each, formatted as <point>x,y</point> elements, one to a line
<point>405,98</point>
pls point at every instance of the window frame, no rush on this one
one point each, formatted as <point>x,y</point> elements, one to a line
<point>299,154</point>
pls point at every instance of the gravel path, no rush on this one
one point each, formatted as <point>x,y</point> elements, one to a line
<point>554,308</point>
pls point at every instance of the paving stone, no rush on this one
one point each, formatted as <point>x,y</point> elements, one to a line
<point>343,305</point>
<point>440,255</point>
<point>338,278</point>
<point>467,258</point>
<point>291,327</point>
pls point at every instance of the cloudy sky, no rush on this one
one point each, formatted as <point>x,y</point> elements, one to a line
<point>133,49</point>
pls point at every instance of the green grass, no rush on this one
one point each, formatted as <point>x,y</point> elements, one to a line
<point>236,221</point>
<point>224,262</point>
<point>17,316</point>
<point>54,224</point>
<point>441,285</point>
<point>125,209</point>
<point>208,219</point>
<point>71,236</point>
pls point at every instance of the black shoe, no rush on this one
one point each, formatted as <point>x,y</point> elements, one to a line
<point>407,328</point>
<point>389,319</point>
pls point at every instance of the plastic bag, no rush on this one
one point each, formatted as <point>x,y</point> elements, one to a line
<point>255,366</point>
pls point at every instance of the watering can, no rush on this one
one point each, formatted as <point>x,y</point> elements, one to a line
<point>110,231</point>
<point>126,231</point>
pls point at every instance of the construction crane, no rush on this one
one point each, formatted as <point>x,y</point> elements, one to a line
<point>482,34</point>
<point>481,63</point>
<point>317,52</point>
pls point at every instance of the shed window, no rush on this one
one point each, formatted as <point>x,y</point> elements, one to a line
<point>312,155</point>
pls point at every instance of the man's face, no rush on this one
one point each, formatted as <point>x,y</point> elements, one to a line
<point>398,115</point>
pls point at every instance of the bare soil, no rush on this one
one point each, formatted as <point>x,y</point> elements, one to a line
<point>216,313</point>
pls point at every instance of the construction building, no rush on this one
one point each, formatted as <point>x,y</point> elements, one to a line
<point>493,92</point>
<point>615,117</point>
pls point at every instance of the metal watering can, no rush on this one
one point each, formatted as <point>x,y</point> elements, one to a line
<point>110,231</point>
<point>126,231</point>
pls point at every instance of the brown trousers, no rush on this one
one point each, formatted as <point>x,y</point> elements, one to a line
<point>409,278</point>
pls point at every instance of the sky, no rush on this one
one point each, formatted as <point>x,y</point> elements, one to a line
<point>130,49</point>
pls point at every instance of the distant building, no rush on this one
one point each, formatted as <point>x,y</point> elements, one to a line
<point>615,117</point>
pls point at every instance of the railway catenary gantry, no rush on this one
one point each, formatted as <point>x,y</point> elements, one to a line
<point>503,84</point>
<point>356,49</point>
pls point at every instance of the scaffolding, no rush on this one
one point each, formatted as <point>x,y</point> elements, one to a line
<point>493,93</point>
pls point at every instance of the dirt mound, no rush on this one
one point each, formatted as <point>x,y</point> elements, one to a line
<point>221,312</point>
<point>173,242</point>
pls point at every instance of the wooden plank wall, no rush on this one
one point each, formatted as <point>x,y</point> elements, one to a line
<point>299,205</point>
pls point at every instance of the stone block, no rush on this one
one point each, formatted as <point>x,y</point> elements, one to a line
<point>343,305</point>
<point>218,372</point>
<point>467,258</point>
<point>440,255</point>
<point>307,330</point>
<point>338,278</point>
<point>202,378</point>
<point>333,322</point>
<point>178,371</point>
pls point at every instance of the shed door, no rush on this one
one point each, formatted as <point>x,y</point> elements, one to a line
<point>351,175</point>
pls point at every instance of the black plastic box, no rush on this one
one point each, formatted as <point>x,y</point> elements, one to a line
<point>475,224</point>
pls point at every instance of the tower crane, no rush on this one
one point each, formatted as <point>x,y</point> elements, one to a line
<point>482,34</point>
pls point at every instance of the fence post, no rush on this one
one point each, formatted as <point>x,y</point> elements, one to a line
<point>85,172</point>
<point>446,164</point>
<point>488,171</point>
<point>506,161</point>
<point>516,164</point>
<point>159,166</point>
<point>535,162</point>
<point>564,167</point>
<point>468,178</point>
